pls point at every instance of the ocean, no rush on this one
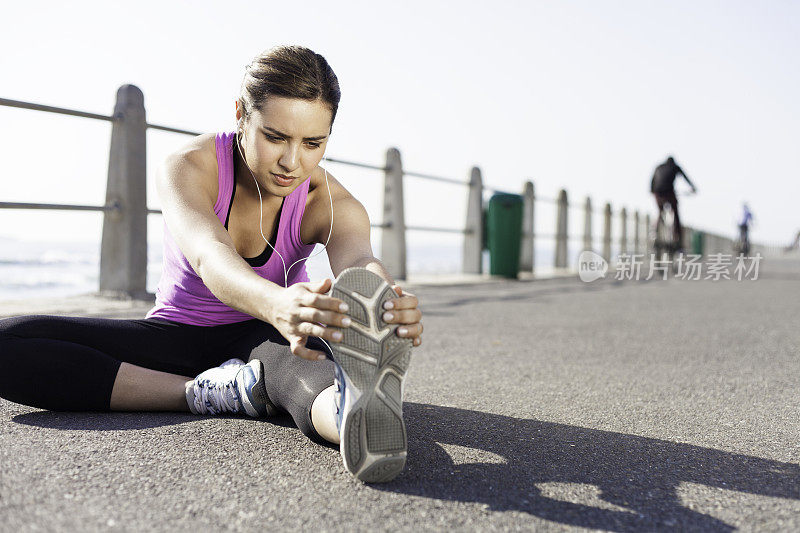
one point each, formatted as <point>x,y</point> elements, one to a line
<point>36,269</point>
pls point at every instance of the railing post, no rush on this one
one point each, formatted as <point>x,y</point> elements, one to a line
<point>472,258</point>
<point>623,236</point>
<point>686,243</point>
<point>688,238</point>
<point>587,224</point>
<point>561,230</point>
<point>393,236</point>
<point>637,222</point>
<point>123,252</point>
<point>648,241</point>
<point>607,232</point>
<point>527,259</point>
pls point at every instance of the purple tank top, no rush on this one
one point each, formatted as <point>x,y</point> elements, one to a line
<point>181,294</point>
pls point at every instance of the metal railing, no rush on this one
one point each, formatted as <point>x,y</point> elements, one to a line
<point>634,235</point>
<point>123,254</point>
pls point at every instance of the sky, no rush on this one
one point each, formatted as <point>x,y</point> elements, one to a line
<point>587,96</point>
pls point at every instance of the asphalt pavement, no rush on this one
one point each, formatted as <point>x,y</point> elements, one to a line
<point>540,404</point>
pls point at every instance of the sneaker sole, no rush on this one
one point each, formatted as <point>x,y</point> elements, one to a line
<point>374,360</point>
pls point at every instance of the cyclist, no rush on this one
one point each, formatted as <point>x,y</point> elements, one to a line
<point>744,226</point>
<point>795,243</point>
<point>662,186</point>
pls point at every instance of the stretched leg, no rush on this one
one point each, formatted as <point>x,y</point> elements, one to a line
<point>81,364</point>
<point>322,415</point>
<point>294,385</point>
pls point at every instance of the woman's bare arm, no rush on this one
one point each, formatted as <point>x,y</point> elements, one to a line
<point>188,211</point>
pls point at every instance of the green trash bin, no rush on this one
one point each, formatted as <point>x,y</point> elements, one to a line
<point>698,241</point>
<point>503,234</point>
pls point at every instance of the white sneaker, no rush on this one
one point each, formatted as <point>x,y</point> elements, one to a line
<point>233,387</point>
<point>232,362</point>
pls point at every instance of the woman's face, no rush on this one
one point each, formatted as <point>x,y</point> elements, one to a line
<point>288,137</point>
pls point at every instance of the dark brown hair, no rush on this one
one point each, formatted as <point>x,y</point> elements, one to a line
<point>291,72</point>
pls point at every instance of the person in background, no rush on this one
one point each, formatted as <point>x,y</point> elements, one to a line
<point>662,186</point>
<point>744,227</point>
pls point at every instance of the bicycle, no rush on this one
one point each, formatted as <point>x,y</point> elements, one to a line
<point>741,246</point>
<point>663,239</point>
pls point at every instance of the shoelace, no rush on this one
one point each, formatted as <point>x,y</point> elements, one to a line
<point>216,397</point>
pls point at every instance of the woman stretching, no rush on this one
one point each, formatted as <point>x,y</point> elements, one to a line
<point>226,297</point>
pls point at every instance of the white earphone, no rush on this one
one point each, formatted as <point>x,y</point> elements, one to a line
<point>261,208</point>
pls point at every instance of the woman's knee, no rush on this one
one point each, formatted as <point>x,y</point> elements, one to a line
<point>11,331</point>
<point>24,325</point>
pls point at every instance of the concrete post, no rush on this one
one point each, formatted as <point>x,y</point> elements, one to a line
<point>587,224</point>
<point>123,251</point>
<point>648,248</point>
<point>472,258</point>
<point>688,238</point>
<point>393,239</point>
<point>527,259</point>
<point>623,236</point>
<point>636,227</point>
<point>607,232</point>
<point>687,241</point>
<point>561,230</point>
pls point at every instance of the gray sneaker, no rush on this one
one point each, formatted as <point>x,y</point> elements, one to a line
<point>371,364</point>
<point>233,387</point>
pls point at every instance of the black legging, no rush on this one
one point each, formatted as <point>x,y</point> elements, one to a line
<point>70,363</point>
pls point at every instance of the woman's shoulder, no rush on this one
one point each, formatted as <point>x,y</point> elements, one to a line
<point>321,181</point>
<point>201,153</point>
<point>317,218</point>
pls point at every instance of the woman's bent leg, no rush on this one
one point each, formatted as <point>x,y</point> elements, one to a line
<point>75,363</point>
<point>55,375</point>
<point>142,389</point>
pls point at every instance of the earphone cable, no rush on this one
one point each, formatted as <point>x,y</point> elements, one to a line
<point>261,227</point>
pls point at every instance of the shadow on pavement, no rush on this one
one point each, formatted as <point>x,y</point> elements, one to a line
<point>117,420</point>
<point>637,473</point>
<point>507,463</point>
<point>102,421</point>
